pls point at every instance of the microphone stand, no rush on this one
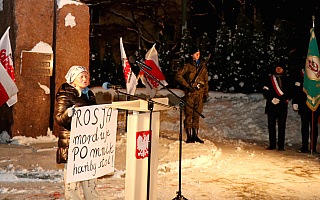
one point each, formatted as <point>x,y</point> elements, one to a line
<point>179,196</point>
<point>181,105</point>
<point>150,108</point>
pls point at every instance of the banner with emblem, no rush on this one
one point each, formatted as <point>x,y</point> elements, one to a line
<point>130,77</point>
<point>311,85</point>
<point>152,86</point>
<point>8,88</point>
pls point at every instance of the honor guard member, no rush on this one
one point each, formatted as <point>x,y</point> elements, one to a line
<point>299,103</point>
<point>277,92</point>
<point>194,78</point>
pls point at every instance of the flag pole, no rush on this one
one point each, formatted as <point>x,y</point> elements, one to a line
<point>311,145</point>
<point>313,19</point>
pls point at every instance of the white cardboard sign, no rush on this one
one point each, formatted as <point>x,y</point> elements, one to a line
<point>92,143</point>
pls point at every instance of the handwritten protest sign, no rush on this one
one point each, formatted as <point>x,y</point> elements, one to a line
<point>92,143</point>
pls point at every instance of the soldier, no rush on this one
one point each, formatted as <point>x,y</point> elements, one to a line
<point>194,77</point>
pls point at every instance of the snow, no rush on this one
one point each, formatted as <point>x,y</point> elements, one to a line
<point>45,88</point>
<point>70,20</point>
<point>62,3</point>
<point>42,47</point>
<point>236,122</point>
<point>23,140</point>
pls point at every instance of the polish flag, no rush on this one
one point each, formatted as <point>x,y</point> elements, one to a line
<point>152,86</point>
<point>130,77</point>
<point>8,88</point>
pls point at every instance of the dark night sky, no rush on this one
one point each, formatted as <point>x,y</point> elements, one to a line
<point>295,14</point>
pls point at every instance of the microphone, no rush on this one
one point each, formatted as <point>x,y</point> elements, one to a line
<point>133,59</point>
<point>107,86</point>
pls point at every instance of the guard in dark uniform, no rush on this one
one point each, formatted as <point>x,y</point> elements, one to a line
<point>299,104</point>
<point>277,91</point>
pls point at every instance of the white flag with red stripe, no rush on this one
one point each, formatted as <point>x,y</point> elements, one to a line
<point>152,86</point>
<point>8,88</point>
<point>130,77</point>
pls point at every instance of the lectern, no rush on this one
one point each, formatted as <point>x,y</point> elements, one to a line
<point>136,182</point>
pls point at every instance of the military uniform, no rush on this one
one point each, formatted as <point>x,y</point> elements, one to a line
<point>195,95</point>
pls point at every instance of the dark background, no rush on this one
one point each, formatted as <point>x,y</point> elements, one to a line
<point>295,14</point>
<point>203,16</point>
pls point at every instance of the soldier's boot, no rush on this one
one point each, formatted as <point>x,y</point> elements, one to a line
<point>195,136</point>
<point>189,136</point>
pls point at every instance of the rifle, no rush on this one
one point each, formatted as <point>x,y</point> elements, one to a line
<point>194,83</point>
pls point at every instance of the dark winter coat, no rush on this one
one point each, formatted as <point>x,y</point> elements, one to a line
<point>270,92</point>
<point>66,97</point>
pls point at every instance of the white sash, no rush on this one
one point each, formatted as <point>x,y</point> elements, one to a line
<point>276,86</point>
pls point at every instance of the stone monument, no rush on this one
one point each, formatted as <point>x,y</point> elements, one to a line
<point>35,67</point>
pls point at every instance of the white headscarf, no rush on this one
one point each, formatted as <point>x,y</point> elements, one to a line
<point>73,72</point>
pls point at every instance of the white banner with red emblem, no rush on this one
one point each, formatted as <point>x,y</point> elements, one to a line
<point>130,77</point>
<point>92,143</point>
<point>137,156</point>
<point>152,61</point>
<point>8,88</point>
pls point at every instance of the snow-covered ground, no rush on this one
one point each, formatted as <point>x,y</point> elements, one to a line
<point>233,163</point>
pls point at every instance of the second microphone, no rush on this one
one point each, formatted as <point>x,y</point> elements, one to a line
<point>107,85</point>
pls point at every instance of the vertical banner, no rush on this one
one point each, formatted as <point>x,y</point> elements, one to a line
<point>137,156</point>
<point>152,60</point>
<point>7,88</point>
<point>311,85</point>
<point>130,77</point>
<point>92,143</point>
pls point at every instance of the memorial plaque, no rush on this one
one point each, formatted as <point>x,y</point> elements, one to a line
<point>36,63</point>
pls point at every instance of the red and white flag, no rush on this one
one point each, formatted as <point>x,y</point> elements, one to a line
<point>8,88</point>
<point>152,86</point>
<point>130,77</point>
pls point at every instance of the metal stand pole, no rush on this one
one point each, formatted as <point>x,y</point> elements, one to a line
<point>150,108</point>
<point>179,196</point>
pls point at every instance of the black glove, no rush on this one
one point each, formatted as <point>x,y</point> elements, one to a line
<point>191,89</point>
